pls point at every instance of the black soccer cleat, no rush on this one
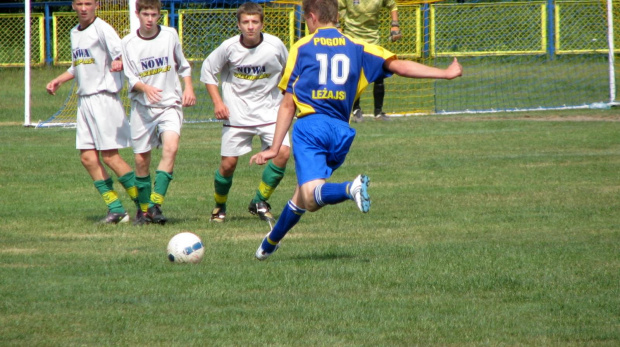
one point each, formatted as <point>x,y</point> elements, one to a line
<point>140,219</point>
<point>154,215</point>
<point>263,210</point>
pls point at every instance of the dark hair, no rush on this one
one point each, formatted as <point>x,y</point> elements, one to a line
<point>325,10</point>
<point>250,8</point>
<point>146,4</point>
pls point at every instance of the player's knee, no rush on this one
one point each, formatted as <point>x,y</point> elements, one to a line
<point>142,162</point>
<point>110,158</point>
<point>307,196</point>
<point>169,152</point>
<point>228,167</point>
<point>313,207</point>
<point>227,171</point>
<point>89,158</point>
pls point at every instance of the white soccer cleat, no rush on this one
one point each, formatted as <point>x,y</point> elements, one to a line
<point>261,253</point>
<point>359,192</point>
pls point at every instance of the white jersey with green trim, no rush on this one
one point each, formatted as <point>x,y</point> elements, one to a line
<point>250,77</point>
<point>92,51</point>
<point>157,61</point>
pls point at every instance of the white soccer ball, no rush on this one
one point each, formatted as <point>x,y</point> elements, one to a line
<point>185,247</point>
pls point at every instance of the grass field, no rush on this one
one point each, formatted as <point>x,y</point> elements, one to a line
<point>484,230</point>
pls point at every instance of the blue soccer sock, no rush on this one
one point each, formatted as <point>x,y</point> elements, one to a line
<point>291,214</point>
<point>331,193</point>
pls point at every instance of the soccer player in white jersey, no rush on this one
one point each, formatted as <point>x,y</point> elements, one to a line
<point>250,66</point>
<point>102,128</point>
<point>153,62</point>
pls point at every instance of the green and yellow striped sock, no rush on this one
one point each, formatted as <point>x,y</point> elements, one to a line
<point>222,187</point>
<point>128,181</point>
<point>272,175</point>
<point>109,195</point>
<point>143,184</point>
<point>160,188</point>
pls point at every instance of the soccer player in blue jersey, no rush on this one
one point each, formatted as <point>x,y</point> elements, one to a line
<point>325,72</point>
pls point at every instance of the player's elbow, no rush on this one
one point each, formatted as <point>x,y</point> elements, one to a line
<point>395,66</point>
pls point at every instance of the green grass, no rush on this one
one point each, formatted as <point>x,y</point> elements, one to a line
<point>484,230</point>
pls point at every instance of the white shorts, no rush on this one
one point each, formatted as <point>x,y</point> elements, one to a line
<point>237,141</point>
<point>148,123</point>
<point>101,122</point>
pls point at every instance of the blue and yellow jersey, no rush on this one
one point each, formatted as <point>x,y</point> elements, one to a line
<point>326,72</point>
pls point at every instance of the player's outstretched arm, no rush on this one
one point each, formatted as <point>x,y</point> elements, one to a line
<point>412,69</point>
<point>54,84</point>
<point>286,112</point>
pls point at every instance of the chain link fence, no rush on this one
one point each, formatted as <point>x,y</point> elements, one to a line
<point>13,36</point>
<point>514,53</point>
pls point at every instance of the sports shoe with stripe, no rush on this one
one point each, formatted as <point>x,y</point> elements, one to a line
<point>359,192</point>
<point>115,218</point>
<point>262,210</point>
<point>266,249</point>
<point>218,215</point>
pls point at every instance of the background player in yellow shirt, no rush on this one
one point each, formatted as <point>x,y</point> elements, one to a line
<point>361,21</point>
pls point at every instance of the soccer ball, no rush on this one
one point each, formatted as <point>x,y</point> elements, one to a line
<point>185,247</point>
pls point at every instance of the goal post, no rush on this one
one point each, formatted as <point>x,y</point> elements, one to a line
<point>611,53</point>
<point>27,121</point>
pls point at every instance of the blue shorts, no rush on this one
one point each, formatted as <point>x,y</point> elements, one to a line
<point>320,145</point>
